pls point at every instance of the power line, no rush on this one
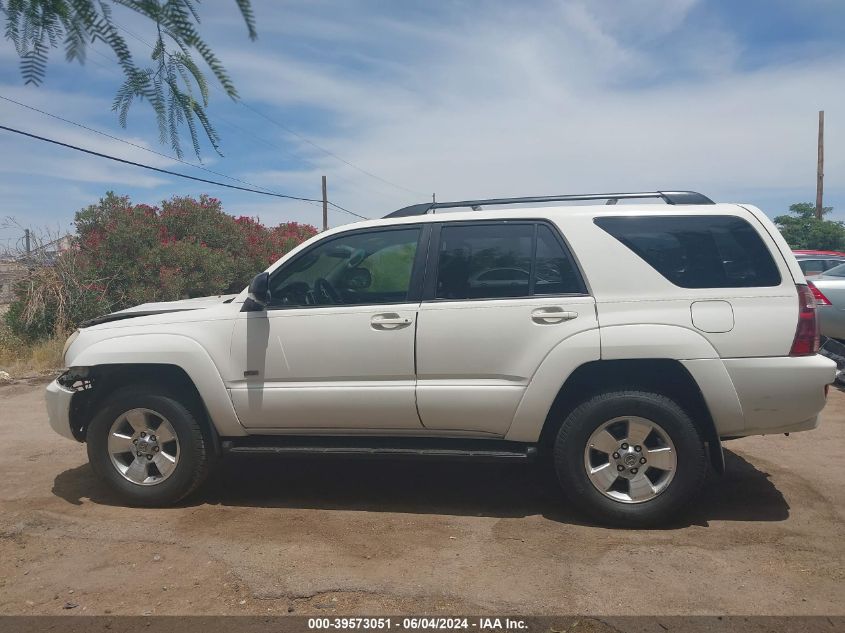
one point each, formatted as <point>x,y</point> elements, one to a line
<point>286,128</point>
<point>146,149</point>
<point>240,129</point>
<point>324,150</point>
<point>248,133</point>
<point>173,173</point>
<point>117,138</point>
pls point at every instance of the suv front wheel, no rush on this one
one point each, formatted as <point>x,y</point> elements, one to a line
<point>630,458</point>
<point>148,446</point>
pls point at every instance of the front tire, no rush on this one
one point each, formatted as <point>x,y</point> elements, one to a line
<point>630,458</point>
<point>147,446</point>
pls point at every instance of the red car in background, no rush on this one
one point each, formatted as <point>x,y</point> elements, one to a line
<point>817,262</point>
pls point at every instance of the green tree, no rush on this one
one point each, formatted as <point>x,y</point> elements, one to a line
<point>173,84</point>
<point>802,230</point>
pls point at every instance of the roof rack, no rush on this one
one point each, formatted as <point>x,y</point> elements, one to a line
<point>669,197</point>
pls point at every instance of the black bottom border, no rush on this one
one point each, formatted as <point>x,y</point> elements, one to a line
<point>497,623</point>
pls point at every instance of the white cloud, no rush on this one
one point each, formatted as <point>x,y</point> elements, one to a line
<point>524,106</point>
<point>485,99</point>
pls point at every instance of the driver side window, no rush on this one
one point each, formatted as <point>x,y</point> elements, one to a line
<point>360,268</point>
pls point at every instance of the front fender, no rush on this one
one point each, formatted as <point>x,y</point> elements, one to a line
<point>169,349</point>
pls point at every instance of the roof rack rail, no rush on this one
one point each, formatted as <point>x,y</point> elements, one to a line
<point>669,197</point>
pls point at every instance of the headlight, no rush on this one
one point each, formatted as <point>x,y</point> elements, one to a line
<point>68,342</point>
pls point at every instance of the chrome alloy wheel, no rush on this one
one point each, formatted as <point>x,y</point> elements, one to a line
<point>630,459</point>
<point>143,447</point>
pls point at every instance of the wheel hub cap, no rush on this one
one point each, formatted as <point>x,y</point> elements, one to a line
<point>630,459</point>
<point>143,447</point>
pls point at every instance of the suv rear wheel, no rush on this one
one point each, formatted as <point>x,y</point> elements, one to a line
<point>148,446</point>
<point>630,458</point>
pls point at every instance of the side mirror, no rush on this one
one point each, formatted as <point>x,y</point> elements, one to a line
<point>259,290</point>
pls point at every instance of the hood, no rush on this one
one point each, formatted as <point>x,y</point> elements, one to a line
<point>160,307</point>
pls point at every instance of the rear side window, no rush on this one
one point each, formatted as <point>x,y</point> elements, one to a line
<point>555,271</point>
<point>503,260</point>
<point>698,251</point>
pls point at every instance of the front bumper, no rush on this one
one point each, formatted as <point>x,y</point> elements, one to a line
<point>58,409</point>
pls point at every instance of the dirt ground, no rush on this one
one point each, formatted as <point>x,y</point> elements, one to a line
<point>269,536</point>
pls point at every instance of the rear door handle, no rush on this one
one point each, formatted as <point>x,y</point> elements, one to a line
<point>552,315</point>
<point>390,321</point>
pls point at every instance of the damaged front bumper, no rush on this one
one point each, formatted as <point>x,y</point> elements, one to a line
<point>60,402</point>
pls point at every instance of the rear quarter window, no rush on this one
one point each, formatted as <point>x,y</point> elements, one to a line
<point>698,251</point>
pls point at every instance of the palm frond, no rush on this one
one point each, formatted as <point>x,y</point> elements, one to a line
<point>36,26</point>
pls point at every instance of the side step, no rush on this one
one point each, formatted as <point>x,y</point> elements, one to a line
<point>383,447</point>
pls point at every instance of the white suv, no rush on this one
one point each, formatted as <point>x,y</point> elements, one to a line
<point>621,341</point>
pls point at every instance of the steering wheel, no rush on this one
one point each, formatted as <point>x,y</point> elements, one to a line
<point>324,287</point>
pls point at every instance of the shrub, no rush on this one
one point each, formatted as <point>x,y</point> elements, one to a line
<point>21,358</point>
<point>124,254</point>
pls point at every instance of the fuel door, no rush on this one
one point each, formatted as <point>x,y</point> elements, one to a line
<point>712,316</point>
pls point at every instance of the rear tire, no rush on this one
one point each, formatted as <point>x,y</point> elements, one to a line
<point>630,458</point>
<point>144,468</point>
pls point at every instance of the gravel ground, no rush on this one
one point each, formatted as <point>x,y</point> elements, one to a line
<point>269,536</point>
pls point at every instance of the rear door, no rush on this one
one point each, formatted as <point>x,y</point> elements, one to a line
<point>498,297</point>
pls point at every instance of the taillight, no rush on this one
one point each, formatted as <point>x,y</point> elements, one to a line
<point>806,340</point>
<point>818,295</point>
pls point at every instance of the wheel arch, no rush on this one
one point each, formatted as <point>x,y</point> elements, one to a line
<point>665,376</point>
<point>177,363</point>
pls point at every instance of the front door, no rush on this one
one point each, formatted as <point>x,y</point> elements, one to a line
<point>500,296</point>
<point>334,350</point>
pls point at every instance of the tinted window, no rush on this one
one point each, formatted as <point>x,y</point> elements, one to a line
<point>832,263</point>
<point>493,261</point>
<point>811,266</point>
<point>555,271</point>
<point>484,261</point>
<point>361,268</point>
<point>698,251</point>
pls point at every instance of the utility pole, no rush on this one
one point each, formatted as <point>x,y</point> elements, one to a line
<point>820,169</point>
<point>325,206</point>
<point>28,251</point>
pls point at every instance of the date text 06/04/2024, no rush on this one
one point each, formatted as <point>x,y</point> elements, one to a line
<point>418,623</point>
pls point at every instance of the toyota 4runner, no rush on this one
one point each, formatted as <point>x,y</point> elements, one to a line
<point>621,341</point>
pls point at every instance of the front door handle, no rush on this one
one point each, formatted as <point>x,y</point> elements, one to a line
<point>389,321</point>
<point>552,315</point>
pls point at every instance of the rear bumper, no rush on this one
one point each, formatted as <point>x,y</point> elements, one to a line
<point>780,394</point>
<point>58,409</point>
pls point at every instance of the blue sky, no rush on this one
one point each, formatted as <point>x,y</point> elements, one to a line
<point>463,98</point>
